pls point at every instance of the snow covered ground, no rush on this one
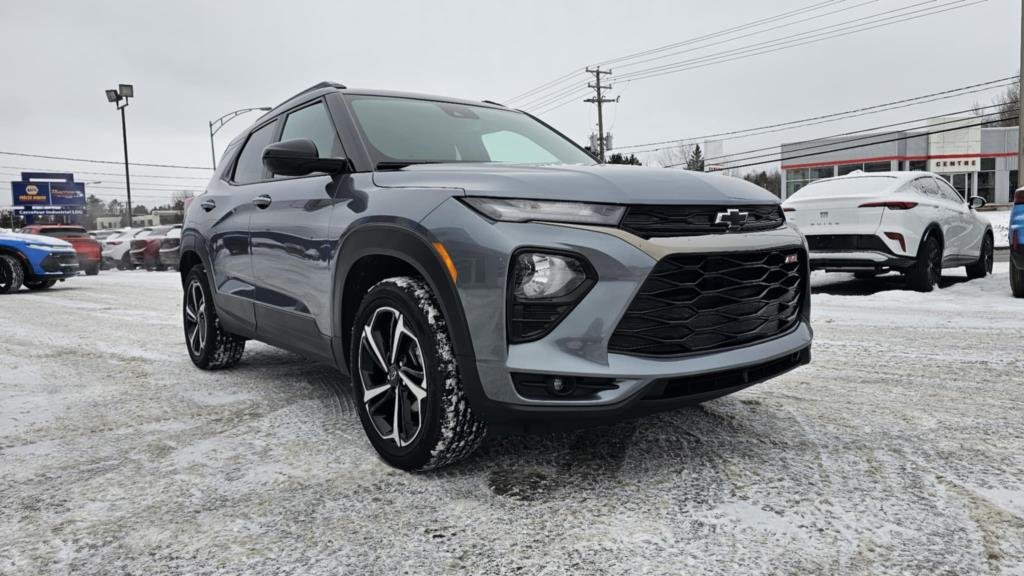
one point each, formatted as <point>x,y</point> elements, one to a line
<point>900,450</point>
<point>1000,220</point>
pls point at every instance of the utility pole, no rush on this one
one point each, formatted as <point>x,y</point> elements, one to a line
<point>600,100</point>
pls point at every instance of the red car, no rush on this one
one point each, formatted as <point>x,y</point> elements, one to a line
<point>145,251</point>
<point>87,248</point>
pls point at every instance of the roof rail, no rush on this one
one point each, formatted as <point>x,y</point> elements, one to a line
<point>317,86</point>
<point>495,103</point>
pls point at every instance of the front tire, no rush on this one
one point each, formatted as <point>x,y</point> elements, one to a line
<point>210,346</point>
<point>1016,279</point>
<point>983,267</point>
<point>406,380</point>
<point>925,273</point>
<point>12,275</point>
<point>92,270</point>
<point>40,284</point>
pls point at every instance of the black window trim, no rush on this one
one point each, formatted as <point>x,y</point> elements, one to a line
<point>280,119</point>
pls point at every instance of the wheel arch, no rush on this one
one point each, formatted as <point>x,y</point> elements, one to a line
<point>18,255</point>
<point>931,230</point>
<point>381,250</point>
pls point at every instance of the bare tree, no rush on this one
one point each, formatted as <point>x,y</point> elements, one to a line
<point>1005,107</point>
<point>178,199</point>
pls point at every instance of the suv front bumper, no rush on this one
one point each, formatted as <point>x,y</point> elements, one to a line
<point>578,345</point>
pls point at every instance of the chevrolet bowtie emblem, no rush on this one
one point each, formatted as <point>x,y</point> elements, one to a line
<point>732,218</point>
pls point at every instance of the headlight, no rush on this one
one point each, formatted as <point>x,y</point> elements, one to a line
<point>546,275</point>
<point>518,210</point>
<point>46,247</point>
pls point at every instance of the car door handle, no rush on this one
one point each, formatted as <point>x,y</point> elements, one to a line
<point>262,201</point>
<point>207,205</point>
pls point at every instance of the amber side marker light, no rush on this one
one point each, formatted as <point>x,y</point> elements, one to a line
<point>447,261</point>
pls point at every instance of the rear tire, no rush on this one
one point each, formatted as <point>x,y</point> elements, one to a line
<point>1016,279</point>
<point>125,263</point>
<point>92,270</point>
<point>40,284</point>
<point>925,273</point>
<point>406,381</point>
<point>983,267</point>
<point>209,345</point>
<point>12,275</point>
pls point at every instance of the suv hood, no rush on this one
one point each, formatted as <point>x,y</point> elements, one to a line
<point>598,183</point>
<point>35,239</point>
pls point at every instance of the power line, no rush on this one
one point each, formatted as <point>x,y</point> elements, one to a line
<point>822,147</point>
<point>104,161</point>
<point>865,130</point>
<point>724,32</point>
<point>836,116</point>
<point>776,45</point>
<point>789,38</point>
<point>765,48</point>
<point>24,169</point>
<point>917,135</point>
<point>550,87</point>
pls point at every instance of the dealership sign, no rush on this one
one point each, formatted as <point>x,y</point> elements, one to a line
<point>48,193</point>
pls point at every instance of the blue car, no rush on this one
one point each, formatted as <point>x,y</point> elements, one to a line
<point>37,262</point>
<point>1017,245</point>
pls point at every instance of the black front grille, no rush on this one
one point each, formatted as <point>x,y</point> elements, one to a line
<point>846,243</point>
<point>702,384</point>
<point>58,262</point>
<point>696,303</point>
<point>682,220</point>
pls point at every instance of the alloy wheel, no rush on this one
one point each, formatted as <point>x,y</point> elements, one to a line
<point>195,318</point>
<point>392,377</point>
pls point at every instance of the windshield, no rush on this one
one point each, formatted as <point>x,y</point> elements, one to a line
<point>401,131</point>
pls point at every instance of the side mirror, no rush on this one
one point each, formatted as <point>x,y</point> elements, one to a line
<point>977,202</point>
<point>300,157</point>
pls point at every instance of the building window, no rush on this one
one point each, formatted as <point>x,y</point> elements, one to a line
<point>878,167</point>
<point>987,185</point>
<point>988,164</point>
<point>1013,183</point>
<point>797,179</point>
<point>917,165</point>
<point>848,168</point>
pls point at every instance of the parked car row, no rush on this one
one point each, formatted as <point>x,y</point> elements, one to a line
<point>151,247</point>
<point>87,248</point>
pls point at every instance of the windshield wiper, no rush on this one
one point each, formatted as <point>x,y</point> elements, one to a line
<point>400,165</point>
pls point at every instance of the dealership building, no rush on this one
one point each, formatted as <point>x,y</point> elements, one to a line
<point>977,161</point>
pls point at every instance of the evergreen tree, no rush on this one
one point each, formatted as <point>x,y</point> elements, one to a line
<point>619,158</point>
<point>696,160</point>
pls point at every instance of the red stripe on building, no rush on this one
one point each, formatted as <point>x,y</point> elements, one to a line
<point>891,158</point>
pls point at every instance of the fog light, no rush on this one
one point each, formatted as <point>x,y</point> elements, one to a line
<point>558,386</point>
<point>546,275</point>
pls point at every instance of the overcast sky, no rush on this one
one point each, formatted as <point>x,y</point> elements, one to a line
<point>192,61</point>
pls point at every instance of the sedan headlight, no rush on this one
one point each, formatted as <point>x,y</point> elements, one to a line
<point>45,247</point>
<point>520,210</point>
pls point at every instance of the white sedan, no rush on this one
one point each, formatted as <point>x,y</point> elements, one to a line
<point>914,223</point>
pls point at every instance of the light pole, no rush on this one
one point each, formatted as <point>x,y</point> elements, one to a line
<point>120,99</point>
<point>220,122</point>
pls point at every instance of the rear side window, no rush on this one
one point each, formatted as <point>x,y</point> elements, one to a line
<point>949,193</point>
<point>927,187</point>
<point>249,167</point>
<point>313,122</point>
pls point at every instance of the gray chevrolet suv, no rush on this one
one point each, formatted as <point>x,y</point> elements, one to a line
<point>472,269</point>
